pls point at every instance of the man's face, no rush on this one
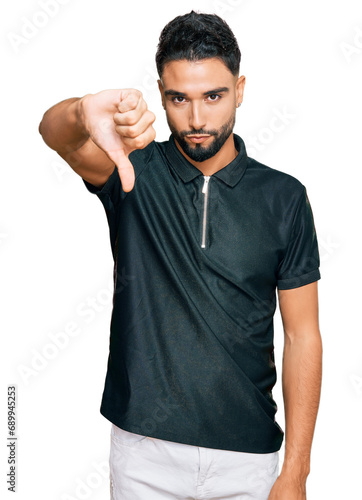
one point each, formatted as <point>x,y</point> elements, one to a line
<point>200,100</point>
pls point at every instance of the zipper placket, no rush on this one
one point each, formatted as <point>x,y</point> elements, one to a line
<point>205,191</point>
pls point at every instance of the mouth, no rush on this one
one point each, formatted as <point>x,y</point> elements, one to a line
<point>198,138</point>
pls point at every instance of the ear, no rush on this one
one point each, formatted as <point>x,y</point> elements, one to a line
<point>239,88</point>
<point>160,87</point>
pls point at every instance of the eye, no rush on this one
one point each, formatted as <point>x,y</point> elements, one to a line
<point>178,99</point>
<point>214,97</point>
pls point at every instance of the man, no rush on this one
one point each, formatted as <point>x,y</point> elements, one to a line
<point>202,236</point>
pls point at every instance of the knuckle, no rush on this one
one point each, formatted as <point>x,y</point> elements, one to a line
<point>152,116</point>
<point>132,132</point>
<point>118,118</point>
<point>132,100</point>
<point>131,120</point>
<point>126,118</point>
<point>138,142</point>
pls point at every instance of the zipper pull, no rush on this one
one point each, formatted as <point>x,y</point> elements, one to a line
<point>206,182</point>
<point>204,218</point>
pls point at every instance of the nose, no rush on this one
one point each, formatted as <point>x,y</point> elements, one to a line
<point>197,119</point>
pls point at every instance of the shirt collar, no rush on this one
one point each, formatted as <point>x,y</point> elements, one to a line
<point>230,174</point>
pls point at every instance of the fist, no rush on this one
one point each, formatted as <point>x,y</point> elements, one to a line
<point>119,122</point>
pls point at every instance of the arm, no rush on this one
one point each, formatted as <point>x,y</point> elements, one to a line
<point>301,382</point>
<point>98,131</point>
<point>63,130</point>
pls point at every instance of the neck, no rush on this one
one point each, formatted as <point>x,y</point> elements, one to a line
<point>222,158</point>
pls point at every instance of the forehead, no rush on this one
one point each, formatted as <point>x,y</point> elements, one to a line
<point>196,76</point>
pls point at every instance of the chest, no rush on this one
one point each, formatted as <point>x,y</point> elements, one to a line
<point>239,230</point>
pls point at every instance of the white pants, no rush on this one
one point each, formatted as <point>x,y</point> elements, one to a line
<point>144,468</point>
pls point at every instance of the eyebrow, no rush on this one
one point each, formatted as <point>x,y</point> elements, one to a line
<point>209,92</point>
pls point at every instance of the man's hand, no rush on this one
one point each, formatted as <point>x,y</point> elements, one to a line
<point>286,488</point>
<point>118,122</point>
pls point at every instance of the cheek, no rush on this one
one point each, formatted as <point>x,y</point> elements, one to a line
<point>226,110</point>
<point>176,118</point>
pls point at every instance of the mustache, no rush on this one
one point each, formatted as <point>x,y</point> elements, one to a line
<point>200,131</point>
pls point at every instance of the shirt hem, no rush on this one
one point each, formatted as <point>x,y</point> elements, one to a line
<point>302,280</point>
<point>114,420</point>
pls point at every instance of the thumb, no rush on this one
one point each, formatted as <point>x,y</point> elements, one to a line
<point>125,171</point>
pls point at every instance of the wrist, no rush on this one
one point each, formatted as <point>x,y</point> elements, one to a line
<point>296,469</point>
<point>80,115</point>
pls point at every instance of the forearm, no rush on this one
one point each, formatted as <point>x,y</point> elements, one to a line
<point>62,128</point>
<point>301,381</point>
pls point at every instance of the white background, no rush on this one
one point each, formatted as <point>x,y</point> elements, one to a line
<point>302,60</point>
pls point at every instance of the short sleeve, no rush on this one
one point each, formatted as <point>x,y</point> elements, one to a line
<point>111,195</point>
<point>300,264</point>
<point>110,192</point>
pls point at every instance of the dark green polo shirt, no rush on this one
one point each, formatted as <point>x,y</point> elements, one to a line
<point>197,264</point>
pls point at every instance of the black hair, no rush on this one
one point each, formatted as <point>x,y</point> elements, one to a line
<point>196,36</point>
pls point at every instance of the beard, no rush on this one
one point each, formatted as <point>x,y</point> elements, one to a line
<point>199,152</point>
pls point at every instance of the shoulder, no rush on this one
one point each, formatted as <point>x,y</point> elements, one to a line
<point>264,173</point>
<point>153,152</point>
<point>273,182</point>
